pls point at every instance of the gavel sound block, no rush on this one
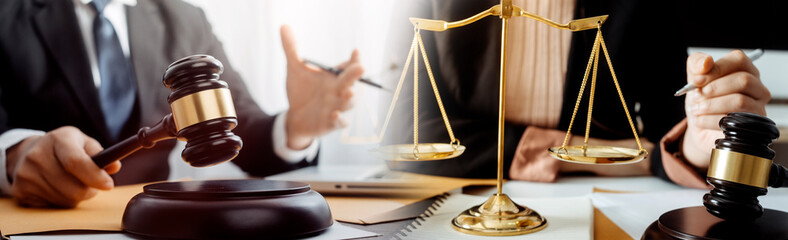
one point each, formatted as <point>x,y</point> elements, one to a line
<point>740,169</point>
<point>203,115</point>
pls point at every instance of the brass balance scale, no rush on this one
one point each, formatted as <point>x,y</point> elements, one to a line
<point>499,215</point>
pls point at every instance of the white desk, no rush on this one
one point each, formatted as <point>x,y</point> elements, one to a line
<point>583,186</point>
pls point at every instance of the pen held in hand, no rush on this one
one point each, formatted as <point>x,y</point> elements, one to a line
<point>338,71</point>
<point>754,55</point>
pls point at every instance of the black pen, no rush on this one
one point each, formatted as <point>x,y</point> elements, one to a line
<point>337,72</point>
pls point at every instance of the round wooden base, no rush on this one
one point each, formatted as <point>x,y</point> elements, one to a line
<point>697,223</point>
<point>227,209</point>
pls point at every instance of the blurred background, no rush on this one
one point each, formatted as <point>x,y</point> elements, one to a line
<point>327,32</point>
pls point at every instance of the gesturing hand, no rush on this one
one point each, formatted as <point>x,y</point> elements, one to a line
<point>732,84</point>
<point>56,169</point>
<point>316,97</point>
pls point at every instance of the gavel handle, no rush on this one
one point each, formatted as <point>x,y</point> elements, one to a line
<point>778,176</point>
<point>146,138</point>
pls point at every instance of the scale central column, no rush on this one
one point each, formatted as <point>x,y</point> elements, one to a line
<point>502,98</point>
<point>499,215</point>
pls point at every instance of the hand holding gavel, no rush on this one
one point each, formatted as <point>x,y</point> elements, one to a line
<point>202,115</point>
<point>56,169</point>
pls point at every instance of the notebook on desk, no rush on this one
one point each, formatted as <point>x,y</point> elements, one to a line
<point>352,180</point>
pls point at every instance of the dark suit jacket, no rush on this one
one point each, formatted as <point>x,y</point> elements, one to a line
<point>48,83</point>
<point>647,41</point>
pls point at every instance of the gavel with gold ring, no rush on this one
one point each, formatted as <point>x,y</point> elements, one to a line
<point>203,115</point>
<point>740,170</point>
<point>741,167</point>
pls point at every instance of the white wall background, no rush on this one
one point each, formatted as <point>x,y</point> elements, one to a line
<point>326,32</point>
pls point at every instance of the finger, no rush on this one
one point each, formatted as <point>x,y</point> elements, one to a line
<point>93,147</point>
<point>71,191</point>
<point>340,122</point>
<point>711,121</point>
<point>289,44</point>
<point>113,167</point>
<point>333,116</point>
<point>346,100</point>
<point>726,104</point>
<point>30,196</point>
<point>734,61</point>
<point>33,201</point>
<point>69,151</point>
<point>738,82</point>
<point>350,76</point>
<point>35,184</point>
<point>354,58</point>
<point>699,63</point>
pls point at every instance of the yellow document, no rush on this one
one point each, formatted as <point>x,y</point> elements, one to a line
<point>103,212</point>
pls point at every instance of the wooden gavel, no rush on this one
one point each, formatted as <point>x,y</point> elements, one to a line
<point>741,167</point>
<point>203,115</point>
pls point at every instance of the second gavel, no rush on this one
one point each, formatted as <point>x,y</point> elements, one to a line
<point>740,170</point>
<point>203,115</point>
<point>741,167</point>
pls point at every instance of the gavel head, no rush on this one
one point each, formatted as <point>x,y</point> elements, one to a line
<point>202,110</point>
<point>739,167</point>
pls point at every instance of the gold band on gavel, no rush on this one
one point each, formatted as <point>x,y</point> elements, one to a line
<point>202,106</point>
<point>740,168</point>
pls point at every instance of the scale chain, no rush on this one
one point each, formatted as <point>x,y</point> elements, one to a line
<point>435,90</point>
<point>397,91</point>
<point>416,100</point>
<point>620,95</point>
<point>593,61</point>
<point>591,94</point>
<point>582,89</point>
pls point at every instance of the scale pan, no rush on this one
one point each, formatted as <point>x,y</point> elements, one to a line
<point>427,152</point>
<point>605,155</point>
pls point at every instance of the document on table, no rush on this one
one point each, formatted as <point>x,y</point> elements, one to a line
<point>634,212</point>
<point>336,231</point>
<point>103,212</point>
<point>567,218</point>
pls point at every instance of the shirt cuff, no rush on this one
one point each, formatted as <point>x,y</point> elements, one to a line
<point>7,140</point>
<point>280,144</point>
<point>676,167</point>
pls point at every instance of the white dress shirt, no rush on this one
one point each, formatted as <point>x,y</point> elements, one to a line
<point>115,12</point>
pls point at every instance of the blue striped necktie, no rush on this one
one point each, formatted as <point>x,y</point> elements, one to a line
<point>118,87</point>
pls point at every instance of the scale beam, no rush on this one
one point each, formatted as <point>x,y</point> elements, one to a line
<point>574,25</point>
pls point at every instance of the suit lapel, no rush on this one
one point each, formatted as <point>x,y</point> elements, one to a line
<point>57,25</point>
<point>148,54</point>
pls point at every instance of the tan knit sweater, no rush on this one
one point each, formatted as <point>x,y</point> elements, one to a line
<point>537,58</point>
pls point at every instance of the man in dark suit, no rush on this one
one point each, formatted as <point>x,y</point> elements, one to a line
<point>82,74</point>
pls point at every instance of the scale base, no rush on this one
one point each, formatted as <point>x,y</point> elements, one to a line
<point>697,223</point>
<point>499,216</point>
